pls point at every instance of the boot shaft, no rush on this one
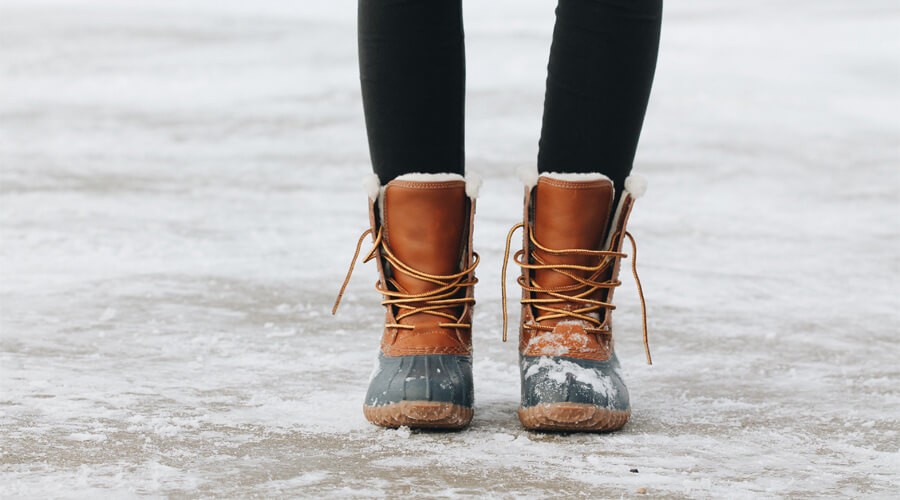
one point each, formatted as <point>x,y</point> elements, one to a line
<point>572,212</point>
<point>426,224</point>
<point>569,211</point>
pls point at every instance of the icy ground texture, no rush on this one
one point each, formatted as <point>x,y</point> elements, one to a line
<point>181,193</point>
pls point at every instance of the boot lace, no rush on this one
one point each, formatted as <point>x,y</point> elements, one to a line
<point>433,302</point>
<point>579,293</point>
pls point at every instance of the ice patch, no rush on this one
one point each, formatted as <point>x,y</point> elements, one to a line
<point>278,333</point>
<point>307,479</point>
<point>86,436</point>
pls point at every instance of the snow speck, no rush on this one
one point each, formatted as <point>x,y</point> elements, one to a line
<point>108,314</point>
<point>86,436</point>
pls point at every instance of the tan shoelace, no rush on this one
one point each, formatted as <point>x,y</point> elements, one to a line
<point>578,292</point>
<point>433,302</point>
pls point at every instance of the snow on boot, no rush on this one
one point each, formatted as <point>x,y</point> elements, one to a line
<point>570,258</point>
<point>422,234</point>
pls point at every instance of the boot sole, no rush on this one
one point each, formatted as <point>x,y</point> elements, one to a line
<point>572,417</point>
<point>420,415</point>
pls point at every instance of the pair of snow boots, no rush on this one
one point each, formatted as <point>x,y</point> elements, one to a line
<point>574,229</point>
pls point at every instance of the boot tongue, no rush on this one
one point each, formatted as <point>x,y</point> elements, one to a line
<point>424,224</point>
<point>569,214</point>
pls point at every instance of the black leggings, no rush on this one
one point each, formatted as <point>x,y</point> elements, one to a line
<point>412,68</point>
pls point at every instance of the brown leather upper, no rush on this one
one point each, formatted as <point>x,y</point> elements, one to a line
<point>570,215</point>
<point>427,227</point>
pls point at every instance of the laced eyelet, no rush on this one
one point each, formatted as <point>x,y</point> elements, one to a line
<point>577,295</point>
<point>433,302</point>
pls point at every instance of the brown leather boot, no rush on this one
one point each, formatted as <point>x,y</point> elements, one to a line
<point>572,250</point>
<point>422,234</point>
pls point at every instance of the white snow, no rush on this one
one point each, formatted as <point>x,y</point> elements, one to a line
<point>559,370</point>
<point>553,344</point>
<point>174,176</point>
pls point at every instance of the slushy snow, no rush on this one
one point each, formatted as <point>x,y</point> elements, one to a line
<point>179,200</point>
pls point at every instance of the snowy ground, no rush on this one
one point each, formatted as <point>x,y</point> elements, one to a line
<point>179,197</point>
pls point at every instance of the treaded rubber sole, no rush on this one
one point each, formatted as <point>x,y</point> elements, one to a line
<point>572,417</point>
<point>420,415</point>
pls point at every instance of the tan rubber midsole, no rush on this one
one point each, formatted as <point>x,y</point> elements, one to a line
<point>420,414</point>
<point>572,417</point>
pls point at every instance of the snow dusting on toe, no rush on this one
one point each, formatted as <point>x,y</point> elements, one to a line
<point>551,343</point>
<point>561,370</point>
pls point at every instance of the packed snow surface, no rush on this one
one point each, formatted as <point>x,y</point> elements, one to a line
<point>180,193</point>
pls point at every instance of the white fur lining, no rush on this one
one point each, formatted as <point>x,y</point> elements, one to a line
<point>372,185</point>
<point>617,214</point>
<point>636,185</point>
<point>576,177</point>
<point>473,182</point>
<point>529,176</point>
<point>420,177</point>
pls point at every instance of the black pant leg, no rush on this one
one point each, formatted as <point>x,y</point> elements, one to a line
<point>412,70</point>
<point>601,68</point>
